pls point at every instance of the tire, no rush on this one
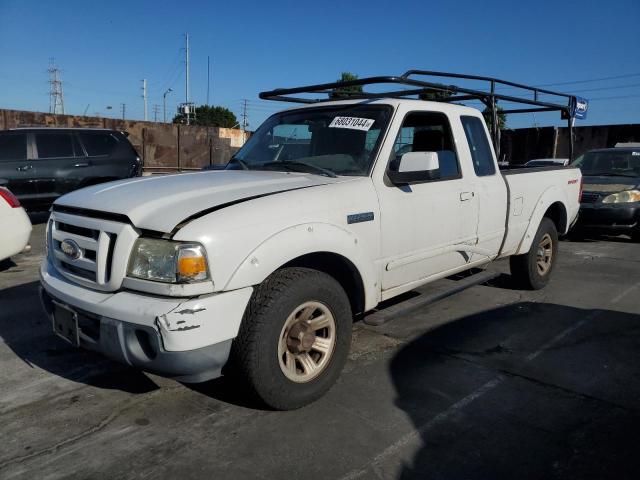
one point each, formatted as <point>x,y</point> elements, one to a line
<point>526,270</point>
<point>272,351</point>
<point>635,235</point>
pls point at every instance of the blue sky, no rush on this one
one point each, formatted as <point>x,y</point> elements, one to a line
<point>104,49</point>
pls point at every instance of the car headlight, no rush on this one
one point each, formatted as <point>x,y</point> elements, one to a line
<point>168,261</point>
<point>623,197</point>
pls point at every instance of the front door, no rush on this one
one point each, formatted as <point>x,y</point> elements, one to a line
<point>423,225</point>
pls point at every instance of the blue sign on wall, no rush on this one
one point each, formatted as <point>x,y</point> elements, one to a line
<point>580,108</point>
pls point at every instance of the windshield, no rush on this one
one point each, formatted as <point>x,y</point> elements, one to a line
<point>624,163</point>
<point>336,140</point>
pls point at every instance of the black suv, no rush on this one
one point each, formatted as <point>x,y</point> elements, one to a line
<point>40,164</point>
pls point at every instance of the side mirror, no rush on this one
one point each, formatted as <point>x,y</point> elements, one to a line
<point>415,167</point>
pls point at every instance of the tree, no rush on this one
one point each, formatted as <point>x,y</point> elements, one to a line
<point>339,93</point>
<point>502,118</point>
<point>210,116</point>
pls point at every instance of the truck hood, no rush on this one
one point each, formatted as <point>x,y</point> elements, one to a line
<point>161,203</point>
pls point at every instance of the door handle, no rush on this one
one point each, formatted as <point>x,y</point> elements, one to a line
<point>82,164</point>
<point>464,196</point>
<point>24,168</point>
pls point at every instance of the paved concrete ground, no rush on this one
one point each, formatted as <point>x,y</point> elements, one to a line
<point>492,383</point>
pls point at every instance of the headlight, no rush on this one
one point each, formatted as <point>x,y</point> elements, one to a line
<point>623,197</point>
<point>168,261</point>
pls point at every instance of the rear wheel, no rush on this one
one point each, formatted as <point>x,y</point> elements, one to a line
<point>294,338</point>
<point>635,235</point>
<point>532,270</point>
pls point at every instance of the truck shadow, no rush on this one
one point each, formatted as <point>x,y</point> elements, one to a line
<point>530,390</point>
<point>26,330</point>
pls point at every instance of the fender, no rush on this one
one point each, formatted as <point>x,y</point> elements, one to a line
<point>301,240</point>
<point>550,196</point>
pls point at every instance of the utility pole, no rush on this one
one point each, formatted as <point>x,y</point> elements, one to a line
<point>122,109</point>
<point>56,96</point>
<point>144,96</point>
<point>244,117</point>
<point>164,104</point>
<point>156,110</point>
<point>186,62</point>
<point>208,76</point>
<point>186,109</point>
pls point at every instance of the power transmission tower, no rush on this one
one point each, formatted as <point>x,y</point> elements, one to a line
<point>144,96</point>
<point>56,96</point>
<point>244,117</point>
<point>122,108</point>
<point>156,110</point>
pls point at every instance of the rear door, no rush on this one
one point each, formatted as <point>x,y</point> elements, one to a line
<point>108,160</point>
<point>61,163</point>
<point>489,186</point>
<point>17,165</point>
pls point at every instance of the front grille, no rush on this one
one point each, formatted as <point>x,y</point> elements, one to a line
<point>590,197</point>
<point>97,242</point>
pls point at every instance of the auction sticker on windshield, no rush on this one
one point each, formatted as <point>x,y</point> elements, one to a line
<point>354,123</point>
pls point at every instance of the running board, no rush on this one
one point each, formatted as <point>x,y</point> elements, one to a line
<point>381,317</point>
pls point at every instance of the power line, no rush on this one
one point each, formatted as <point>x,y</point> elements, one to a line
<point>573,82</point>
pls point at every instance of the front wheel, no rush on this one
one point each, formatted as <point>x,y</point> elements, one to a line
<point>294,338</point>
<point>532,270</point>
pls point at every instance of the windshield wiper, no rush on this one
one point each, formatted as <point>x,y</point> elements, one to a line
<point>292,164</point>
<point>239,162</point>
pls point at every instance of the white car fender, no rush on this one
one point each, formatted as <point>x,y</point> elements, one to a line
<point>303,239</point>
<point>548,197</point>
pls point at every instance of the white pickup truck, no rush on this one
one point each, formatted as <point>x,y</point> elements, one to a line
<point>327,210</point>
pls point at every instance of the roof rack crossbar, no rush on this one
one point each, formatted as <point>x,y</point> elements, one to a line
<point>456,94</point>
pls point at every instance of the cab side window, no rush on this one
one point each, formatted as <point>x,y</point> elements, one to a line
<point>483,163</point>
<point>428,132</point>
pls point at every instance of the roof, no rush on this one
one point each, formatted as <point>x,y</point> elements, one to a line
<point>62,129</point>
<point>394,102</point>
<point>616,149</point>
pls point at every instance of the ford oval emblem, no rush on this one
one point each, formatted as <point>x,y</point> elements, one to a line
<point>71,249</point>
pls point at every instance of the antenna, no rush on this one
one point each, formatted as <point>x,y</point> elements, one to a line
<point>56,96</point>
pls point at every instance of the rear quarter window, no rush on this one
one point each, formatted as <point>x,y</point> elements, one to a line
<point>483,163</point>
<point>97,144</point>
<point>13,147</point>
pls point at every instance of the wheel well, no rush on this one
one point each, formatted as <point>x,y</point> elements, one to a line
<point>340,268</point>
<point>558,215</point>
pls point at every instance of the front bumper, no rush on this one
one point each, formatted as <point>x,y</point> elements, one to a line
<point>188,339</point>
<point>621,217</point>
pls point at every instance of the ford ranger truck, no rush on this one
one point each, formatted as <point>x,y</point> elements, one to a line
<point>259,269</point>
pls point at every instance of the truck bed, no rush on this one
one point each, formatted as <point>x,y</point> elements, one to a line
<point>529,192</point>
